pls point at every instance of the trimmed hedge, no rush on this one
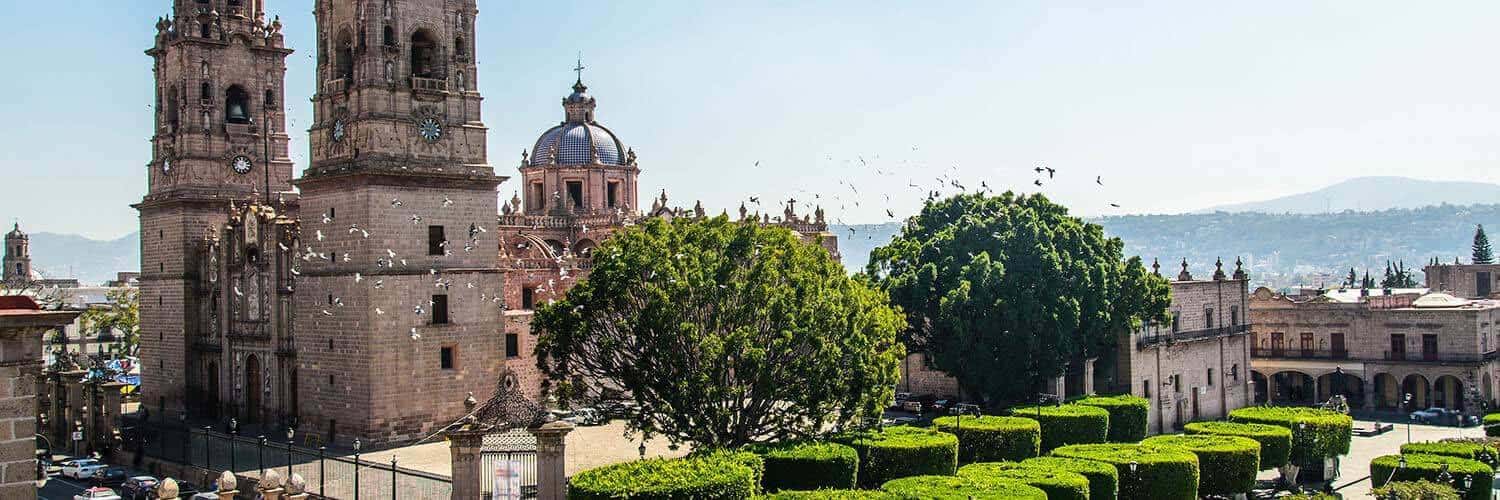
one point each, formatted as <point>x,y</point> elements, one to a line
<point>1421,466</point>
<point>1067,424</point>
<point>902,451</point>
<point>1059,484</point>
<point>808,466</point>
<point>1327,432</point>
<point>1461,449</point>
<point>1492,424</point>
<point>961,488</point>
<point>1127,416</point>
<point>1414,490</point>
<point>1163,472</point>
<point>990,438</point>
<point>1228,463</point>
<point>1275,441</point>
<point>830,495</point>
<point>718,476</point>
<point>1104,480</point>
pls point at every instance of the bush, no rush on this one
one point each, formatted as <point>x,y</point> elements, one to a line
<point>1067,424</point>
<point>1325,435</point>
<point>1461,449</point>
<point>713,476</point>
<point>1415,490</point>
<point>896,452</point>
<point>1492,424</point>
<point>1275,441</point>
<point>1227,463</point>
<point>990,438</point>
<point>1058,484</point>
<point>830,495</point>
<point>1127,416</point>
<point>961,488</point>
<point>807,466</point>
<point>1104,480</point>
<point>1162,472</point>
<point>1420,466</point>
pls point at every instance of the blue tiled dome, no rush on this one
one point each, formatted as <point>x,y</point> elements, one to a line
<point>576,144</point>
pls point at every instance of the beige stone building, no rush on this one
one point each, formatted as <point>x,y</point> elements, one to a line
<point>1197,366</point>
<point>1377,346</point>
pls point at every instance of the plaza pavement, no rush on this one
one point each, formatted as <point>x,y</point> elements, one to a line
<point>1354,469</point>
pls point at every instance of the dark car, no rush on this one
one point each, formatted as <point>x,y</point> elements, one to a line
<point>187,489</point>
<point>140,487</point>
<point>113,475</point>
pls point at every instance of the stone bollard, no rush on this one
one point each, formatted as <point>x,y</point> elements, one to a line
<point>270,487</point>
<point>296,488</point>
<point>228,486</point>
<point>464,445</point>
<point>551,456</point>
<point>167,489</point>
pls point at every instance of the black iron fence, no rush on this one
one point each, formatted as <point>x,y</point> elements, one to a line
<point>328,474</point>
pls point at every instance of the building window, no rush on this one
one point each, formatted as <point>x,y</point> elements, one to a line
<point>270,98</point>
<point>445,357</point>
<point>1234,315</point>
<point>435,240</point>
<point>1174,321</point>
<point>1210,377</point>
<point>330,379</point>
<point>236,105</point>
<point>575,193</point>
<point>423,55</point>
<point>388,36</point>
<point>1146,388</point>
<point>1234,372</point>
<point>1177,383</point>
<point>528,298</point>
<point>1208,317</point>
<point>439,309</point>
<point>512,345</point>
<point>612,195</point>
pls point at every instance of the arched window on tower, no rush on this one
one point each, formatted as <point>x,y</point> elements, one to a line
<point>203,30</point>
<point>205,92</point>
<point>388,36</point>
<point>344,64</point>
<point>423,55</point>
<point>171,117</point>
<point>458,47</point>
<point>236,105</point>
<point>270,98</point>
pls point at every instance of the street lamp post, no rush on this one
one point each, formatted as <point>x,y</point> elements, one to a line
<point>1406,403</point>
<point>356,468</point>
<point>234,432</point>
<point>393,476</point>
<point>289,433</point>
<point>260,454</point>
<point>642,449</point>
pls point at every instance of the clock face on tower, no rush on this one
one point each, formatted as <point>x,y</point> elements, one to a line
<point>430,130</point>
<point>241,164</point>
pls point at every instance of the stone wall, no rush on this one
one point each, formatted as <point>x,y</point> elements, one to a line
<point>920,379</point>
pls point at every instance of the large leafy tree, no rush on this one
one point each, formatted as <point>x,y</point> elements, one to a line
<point>1482,252</point>
<point>1002,291</point>
<point>724,332</point>
<point>121,314</point>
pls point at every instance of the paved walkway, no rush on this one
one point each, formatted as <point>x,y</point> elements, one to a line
<point>588,447</point>
<point>1354,468</point>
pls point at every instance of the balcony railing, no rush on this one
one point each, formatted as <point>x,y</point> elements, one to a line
<point>429,84</point>
<point>1437,357</point>
<point>1152,337</point>
<point>1284,353</point>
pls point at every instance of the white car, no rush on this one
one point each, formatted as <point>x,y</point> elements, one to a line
<point>83,469</point>
<point>99,493</point>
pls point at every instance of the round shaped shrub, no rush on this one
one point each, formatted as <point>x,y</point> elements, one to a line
<point>1492,424</point>
<point>1424,490</point>
<point>1461,449</point>
<point>896,452</point>
<point>807,466</point>
<point>1067,424</point>
<point>1059,484</point>
<point>1162,472</point>
<point>829,495</point>
<point>1420,466</point>
<point>990,438</point>
<point>1275,441</point>
<point>1316,433</point>
<point>961,488</point>
<point>718,476</point>
<point>1104,480</point>
<point>1227,464</point>
<point>1127,416</point>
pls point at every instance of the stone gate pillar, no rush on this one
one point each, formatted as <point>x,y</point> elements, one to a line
<point>1369,383</point>
<point>551,455</point>
<point>1088,376</point>
<point>464,446</point>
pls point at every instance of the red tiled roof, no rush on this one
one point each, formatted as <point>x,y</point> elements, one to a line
<point>17,302</point>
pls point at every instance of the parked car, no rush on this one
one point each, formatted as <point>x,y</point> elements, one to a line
<point>82,468</point>
<point>140,487</point>
<point>912,405</point>
<point>97,493</point>
<point>904,421</point>
<point>1432,415</point>
<point>112,476</point>
<point>966,408</point>
<point>586,416</point>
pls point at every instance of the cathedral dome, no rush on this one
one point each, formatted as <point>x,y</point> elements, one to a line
<point>579,140</point>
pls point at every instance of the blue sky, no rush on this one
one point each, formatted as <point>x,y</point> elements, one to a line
<point>1178,105</point>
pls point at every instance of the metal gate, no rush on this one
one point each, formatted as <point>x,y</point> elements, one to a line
<point>509,464</point>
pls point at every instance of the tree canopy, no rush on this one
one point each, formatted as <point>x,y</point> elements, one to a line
<point>1482,252</point>
<point>1002,291</point>
<point>122,314</point>
<point>725,333</point>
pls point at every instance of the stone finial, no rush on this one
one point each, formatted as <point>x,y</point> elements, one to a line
<point>470,402</point>
<point>1219,269</point>
<point>167,489</point>
<point>297,485</point>
<point>698,209</point>
<point>1239,269</point>
<point>227,482</point>
<point>271,480</point>
<point>743,211</point>
<point>524,157</point>
<point>1184,275</point>
<point>1155,266</point>
<point>630,157</point>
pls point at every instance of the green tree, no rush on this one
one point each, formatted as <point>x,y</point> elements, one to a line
<point>1482,253</point>
<point>725,333</point>
<point>1352,280</point>
<point>122,314</point>
<point>1002,291</point>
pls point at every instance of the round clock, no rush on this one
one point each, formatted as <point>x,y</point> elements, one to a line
<point>338,130</point>
<point>430,129</point>
<point>241,164</point>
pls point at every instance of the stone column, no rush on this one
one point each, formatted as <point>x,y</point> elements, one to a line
<point>1369,382</point>
<point>1088,376</point>
<point>109,408</point>
<point>464,446</point>
<point>551,455</point>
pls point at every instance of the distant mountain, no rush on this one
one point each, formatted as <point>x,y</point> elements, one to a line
<point>1365,194</point>
<point>90,261</point>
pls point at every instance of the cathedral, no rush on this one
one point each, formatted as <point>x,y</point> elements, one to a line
<point>380,292</point>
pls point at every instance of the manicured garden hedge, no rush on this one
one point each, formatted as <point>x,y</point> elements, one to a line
<point>990,438</point>
<point>896,452</point>
<point>1059,484</point>
<point>1327,433</point>
<point>808,466</point>
<point>1423,490</point>
<point>961,488</point>
<point>1461,449</point>
<point>1228,463</point>
<point>1492,424</point>
<point>1127,416</point>
<point>1162,472</point>
<point>1421,466</point>
<point>1067,424</point>
<point>1104,480</point>
<point>1275,441</point>
<point>830,495</point>
<point>718,476</point>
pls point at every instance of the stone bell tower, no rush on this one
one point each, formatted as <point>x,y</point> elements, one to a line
<point>219,136</point>
<point>17,255</point>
